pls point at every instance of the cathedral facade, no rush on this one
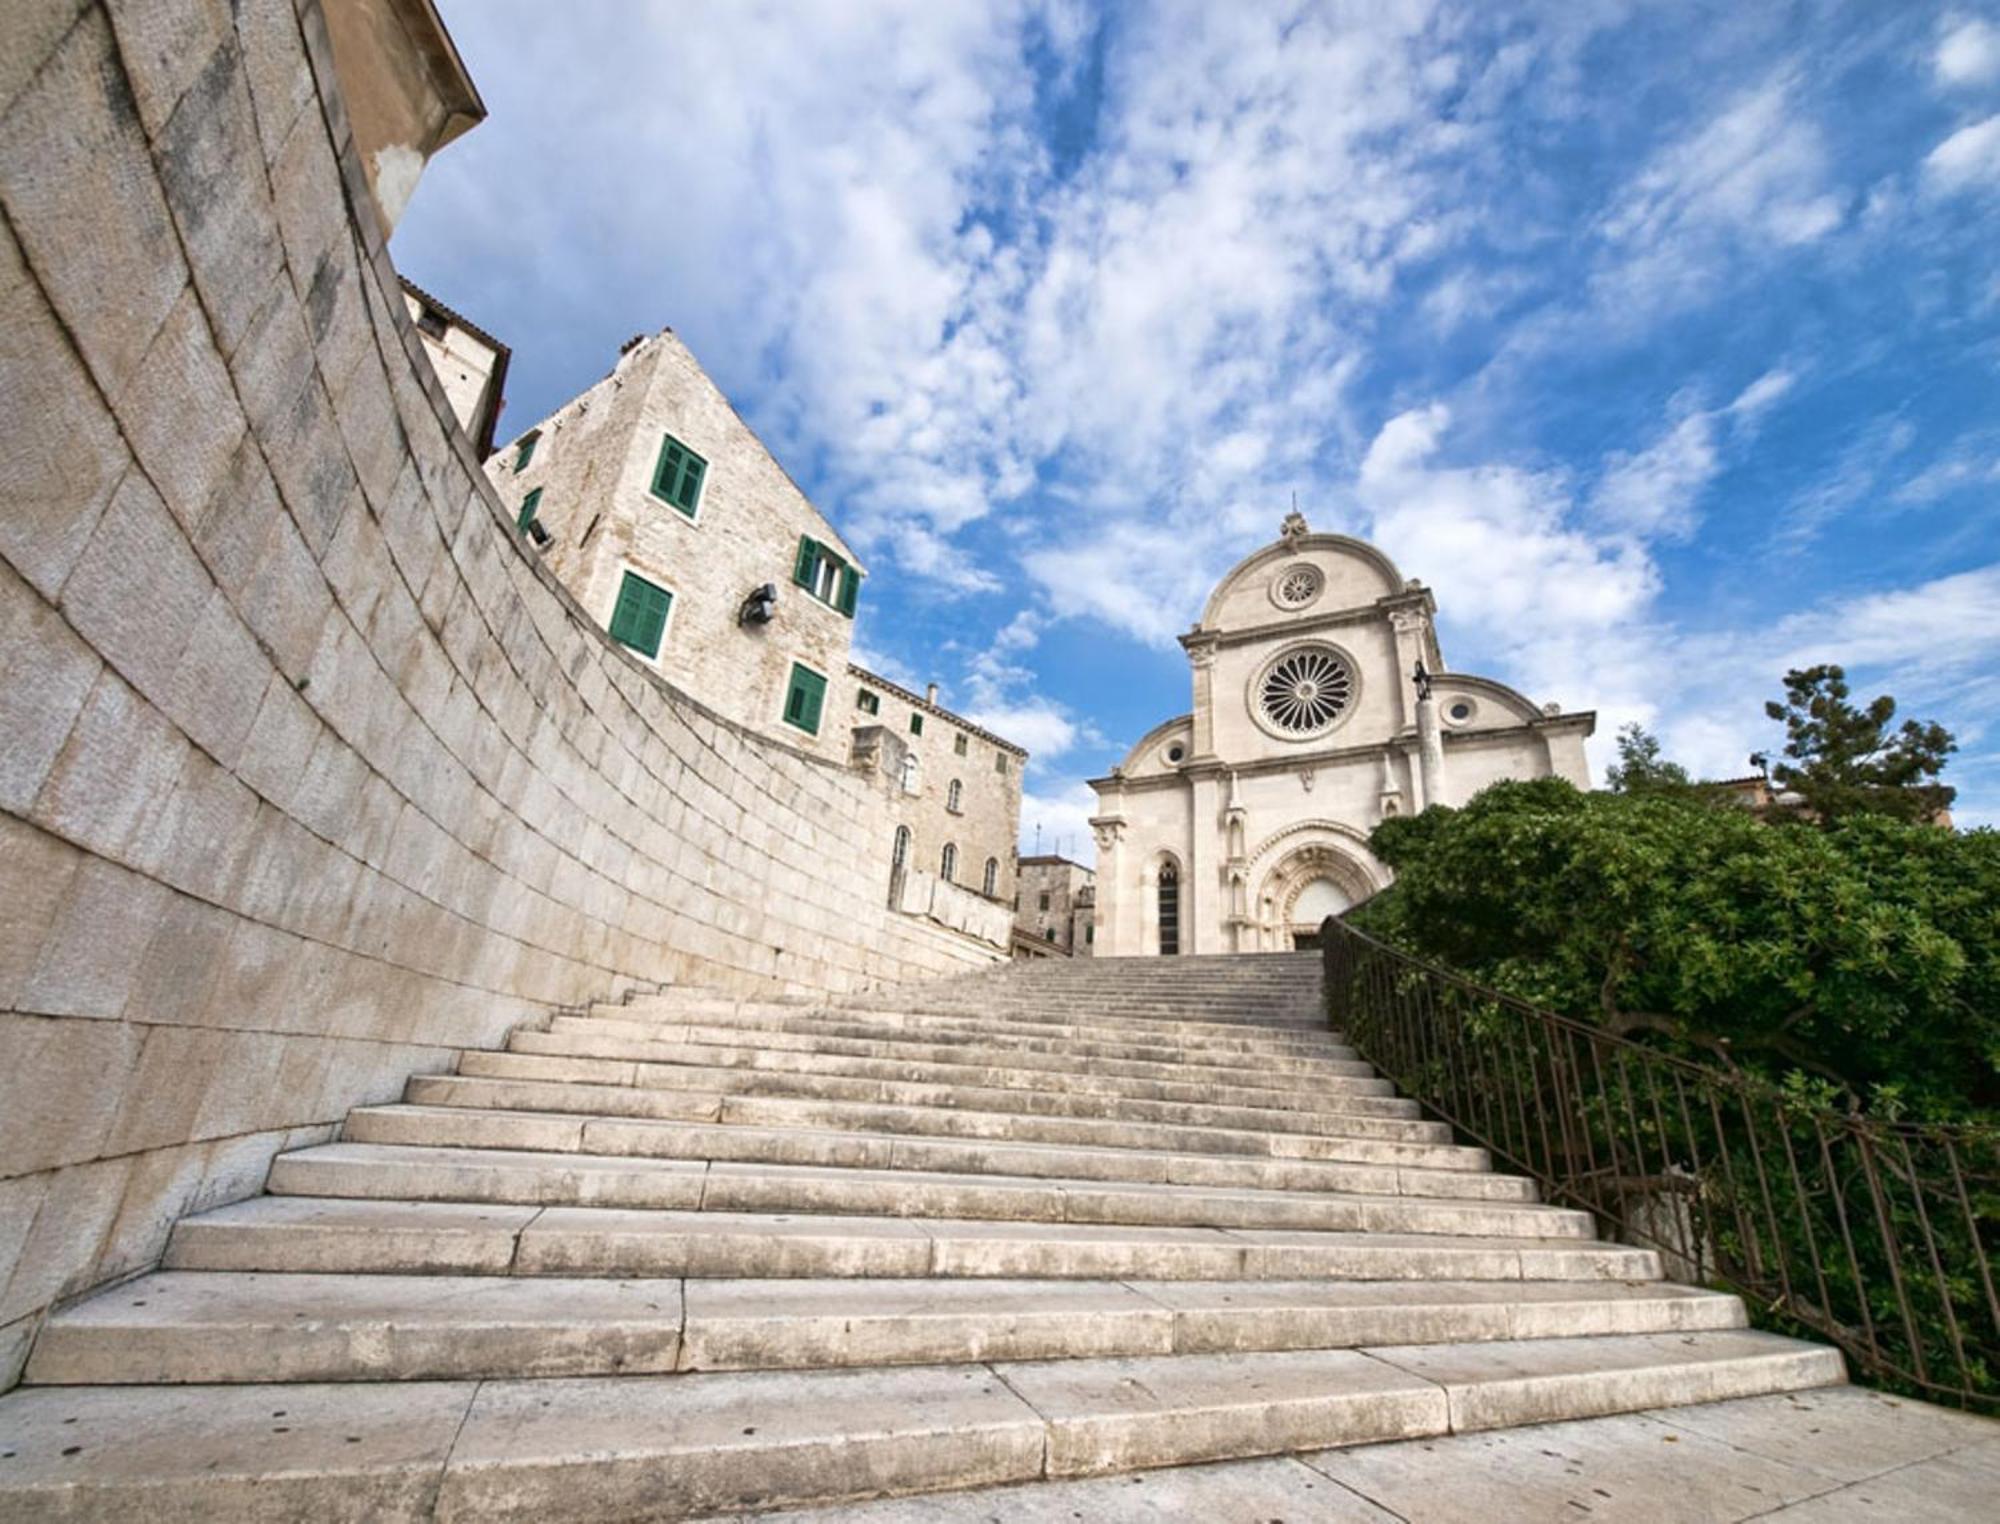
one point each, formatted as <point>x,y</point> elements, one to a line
<point>1321,706</point>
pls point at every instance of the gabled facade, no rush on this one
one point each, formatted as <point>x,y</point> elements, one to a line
<point>1241,825</point>
<point>668,520</point>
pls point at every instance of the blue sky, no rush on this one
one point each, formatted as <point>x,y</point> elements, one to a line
<point>1662,340</point>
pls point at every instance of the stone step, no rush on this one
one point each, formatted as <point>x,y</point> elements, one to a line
<point>1169,1044</point>
<point>220,1327</point>
<point>858,1116</point>
<point>1284,1076</point>
<point>1334,1120</point>
<point>473,1127</point>
<point>384,1173</point>
<point>1041,1073</point>
<point>681,1446</point>
<point>319,1235</point>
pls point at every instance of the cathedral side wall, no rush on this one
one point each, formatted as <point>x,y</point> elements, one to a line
<point>308,774</point>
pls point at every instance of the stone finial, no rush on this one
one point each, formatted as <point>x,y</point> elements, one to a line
<point>1294,525</point>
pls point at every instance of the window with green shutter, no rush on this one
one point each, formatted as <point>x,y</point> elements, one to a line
<point>804,699</point>
<point>525,451</point>
<point>867,702</point>
<point>529,505</point>
<point>640,618</point>
<point>677,475</point>
<point>916,724</point>
<point>826,574</point>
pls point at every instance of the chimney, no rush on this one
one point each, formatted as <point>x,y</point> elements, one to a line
<point>930,693</point>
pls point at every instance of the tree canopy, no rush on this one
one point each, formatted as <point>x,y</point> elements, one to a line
<point>1862,960</point>
<point>1844,759</point>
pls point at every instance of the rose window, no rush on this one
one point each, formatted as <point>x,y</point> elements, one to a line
<point>1305,691</point>
<point>1298,586</point>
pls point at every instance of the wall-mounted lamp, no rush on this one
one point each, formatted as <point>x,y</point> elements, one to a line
<point>760,607</point>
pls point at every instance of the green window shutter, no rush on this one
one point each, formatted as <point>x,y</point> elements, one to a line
<point>689,491</point>
<point>850,588</point>
<point>807,563</point>
<point>804,699</point>
<point>528,506</point>
<point>677,475</point>
<point>525,452</point>
<point>916,724</point>
<point>640,618</point>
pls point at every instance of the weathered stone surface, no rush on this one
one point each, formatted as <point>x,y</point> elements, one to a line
<point>254,1453</point>
<point>1118,1415</point>
<point>176,1328</point>
<point>681,1446</point>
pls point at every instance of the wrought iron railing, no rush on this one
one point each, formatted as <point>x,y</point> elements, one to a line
<point>1877,1237</point>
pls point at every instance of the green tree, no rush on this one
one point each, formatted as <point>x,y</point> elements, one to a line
<point>1845,761</point>
<point>1864,958</point>
<point>1640,769</point>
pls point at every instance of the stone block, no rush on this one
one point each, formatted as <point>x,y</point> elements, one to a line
<point>235,524</point>
<point>280,84</point>
<point>158,1192</point>
<point>208,159</point>
<point>35,873</point>
<point>215,688</point>
<point>180,413</point>
<point>308,458</point>
<point>311,209</point>
<point>57,476</point>
<point>78,184</point>
<point>92,949</point>
<point>63,1081</point>
<point>78,1206</point>
<point>287,604</point>
<point>28,36</point>
<point>165,44</point>
<point>139,588</point>
<point>111,783</point>
<point>50,673</point>
<point>281,739</point>
<point>179,968</point>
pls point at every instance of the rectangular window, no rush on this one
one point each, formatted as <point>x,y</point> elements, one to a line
<point>916,724</point>
<point>640,618</point>
<point>431,321</point>
<point>525,451</point>
<point>1000,762</point>
<point>1045,902</point>
<point>868,703</point>
<point>677,475</point>
<point>958,745</point>
<point>804,698</point>
<point>825,574</point>
<point>529,505</point>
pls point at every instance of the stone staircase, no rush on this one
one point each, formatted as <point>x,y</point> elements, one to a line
<point>694,1254</point>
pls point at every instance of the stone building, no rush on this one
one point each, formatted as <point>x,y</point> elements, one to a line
<point>1054,902</point>
<point>957,792</point>
<point>665,516</point>
<point>657,507</point>
<point>1322,705</point>
<point>470,363</point>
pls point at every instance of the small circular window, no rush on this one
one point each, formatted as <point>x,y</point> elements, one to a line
<point>1176,752</point>
<point>1303,692</point>
<point>1459,711</point>
<point>1297,585</point>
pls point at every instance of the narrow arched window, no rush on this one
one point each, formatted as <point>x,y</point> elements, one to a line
<point>992,877</point>
<point>901,856</point>
<point>1170,909</point>
<point>948,861</point>
<point>952,795</point>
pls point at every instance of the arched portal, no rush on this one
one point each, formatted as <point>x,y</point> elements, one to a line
<point>1308,883</point>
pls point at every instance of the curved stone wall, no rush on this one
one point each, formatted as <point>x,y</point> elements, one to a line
<point>308,774</point>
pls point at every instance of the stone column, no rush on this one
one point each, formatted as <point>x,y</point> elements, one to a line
<point>1203,910</point>
<point>1115,911</point>
<point>1200,648</point>
<point>1430,743</point>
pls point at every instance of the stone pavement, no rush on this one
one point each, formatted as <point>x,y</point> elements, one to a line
<point>1832,1456</point>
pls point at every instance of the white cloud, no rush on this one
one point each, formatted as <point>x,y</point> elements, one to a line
<point>1967,160</point>
<point>1972,464</point>
<point>1655,492</point>
<point>1968,52</point>
<point>1061,809</point>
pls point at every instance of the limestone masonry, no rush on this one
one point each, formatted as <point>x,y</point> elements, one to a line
<point>1244,824</point>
